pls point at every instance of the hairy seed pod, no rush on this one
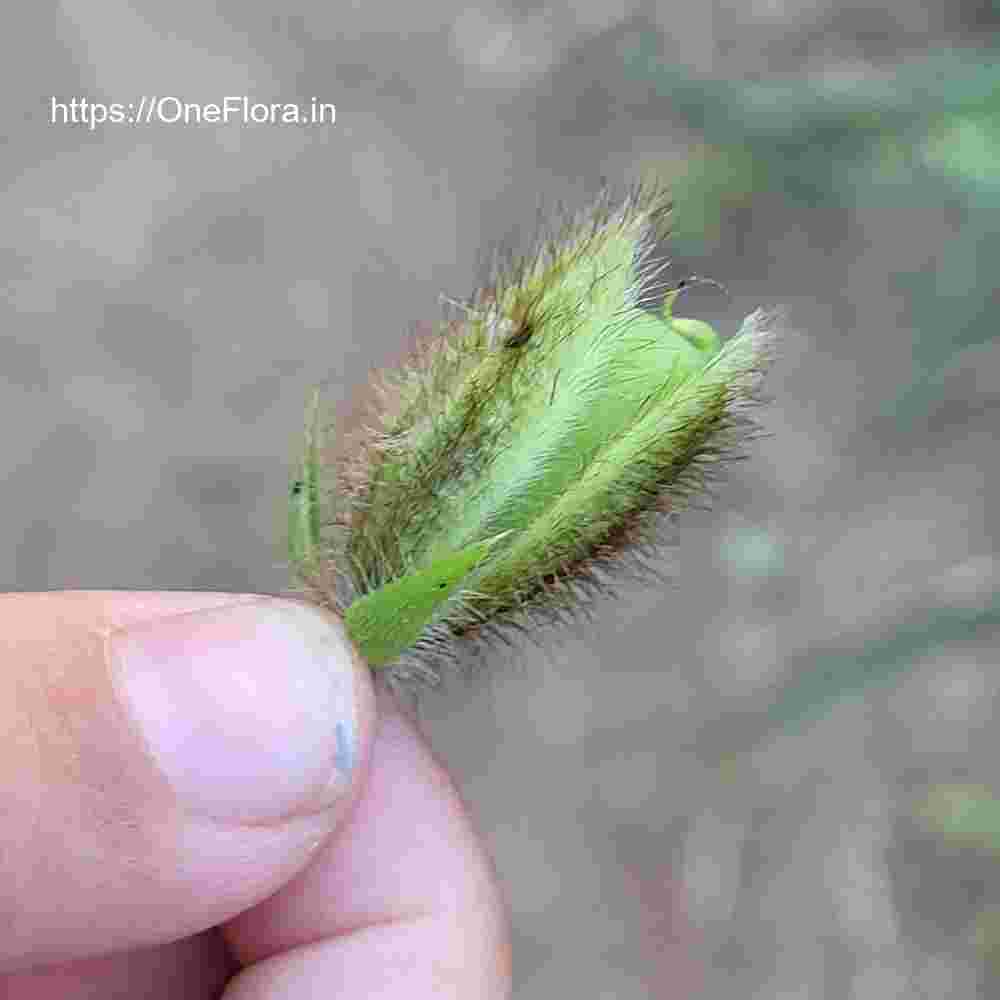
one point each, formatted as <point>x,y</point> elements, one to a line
<point>529,451</point>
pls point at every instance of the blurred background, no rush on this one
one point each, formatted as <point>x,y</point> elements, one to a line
<point>774,778</point>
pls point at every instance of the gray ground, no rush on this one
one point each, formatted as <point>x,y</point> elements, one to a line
<point>172,293</point>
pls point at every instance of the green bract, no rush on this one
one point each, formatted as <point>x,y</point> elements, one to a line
<point>532,446</point>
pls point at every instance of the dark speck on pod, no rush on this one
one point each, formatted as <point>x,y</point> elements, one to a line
<point>519,337</point>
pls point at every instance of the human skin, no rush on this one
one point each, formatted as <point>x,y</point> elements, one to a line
<point>204,795</point>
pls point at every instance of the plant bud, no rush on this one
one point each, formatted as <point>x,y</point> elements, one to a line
<point>528,453</point>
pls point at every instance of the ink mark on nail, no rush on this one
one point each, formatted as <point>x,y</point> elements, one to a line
<point>345,747</point>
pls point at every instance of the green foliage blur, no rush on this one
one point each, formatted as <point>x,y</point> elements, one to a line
<point>923,132</point>
<point>928,133</point>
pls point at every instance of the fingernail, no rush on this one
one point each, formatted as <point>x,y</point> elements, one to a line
<point>249,710</point>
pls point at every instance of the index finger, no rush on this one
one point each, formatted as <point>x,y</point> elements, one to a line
<point>403,902</point>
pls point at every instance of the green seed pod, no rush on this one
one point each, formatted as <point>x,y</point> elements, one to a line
<point>557,422</point>
<point>387,621</point>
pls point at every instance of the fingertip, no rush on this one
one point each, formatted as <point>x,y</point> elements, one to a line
<point>402,902</point>
<point>253,711</point>
<point>181,801</point>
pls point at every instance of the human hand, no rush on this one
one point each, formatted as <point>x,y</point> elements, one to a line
<point>170,828</point>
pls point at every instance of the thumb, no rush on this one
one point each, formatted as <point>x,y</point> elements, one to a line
<point>167,761</point>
